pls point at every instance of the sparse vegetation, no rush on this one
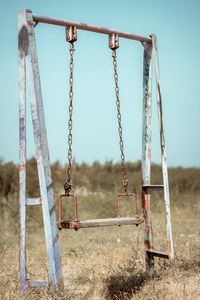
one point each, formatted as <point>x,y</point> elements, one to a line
<point>103,263</point>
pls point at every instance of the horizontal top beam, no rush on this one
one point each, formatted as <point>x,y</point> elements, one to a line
<point>87,27</point>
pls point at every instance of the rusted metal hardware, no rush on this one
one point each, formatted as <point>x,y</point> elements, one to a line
<point>127,195</point>
<point>113,41</point>
<point>75,208</point>
<point>113,45</point>
<point>71,34</point>
<point>119,118</point>
<point>71,38</point>
<point>93,28</point>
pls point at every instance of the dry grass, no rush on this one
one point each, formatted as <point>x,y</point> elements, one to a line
<point>108,263</point>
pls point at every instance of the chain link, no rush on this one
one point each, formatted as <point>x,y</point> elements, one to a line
<point>121,143</point>
<point>68,185</point>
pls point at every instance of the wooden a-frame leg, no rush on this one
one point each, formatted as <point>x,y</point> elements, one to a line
<point>169,242</point>
<point>146,157</point>
<point>22,167</point>
<point>26,29</point>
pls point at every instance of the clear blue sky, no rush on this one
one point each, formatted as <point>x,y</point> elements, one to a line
<point>177,25</point>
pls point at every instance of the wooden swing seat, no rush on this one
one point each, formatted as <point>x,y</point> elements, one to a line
<point>73,224</point>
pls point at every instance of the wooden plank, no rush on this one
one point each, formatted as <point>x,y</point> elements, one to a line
<point>101,222</point>
<point>33,201</point>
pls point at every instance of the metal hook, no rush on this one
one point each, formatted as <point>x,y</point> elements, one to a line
<point>113,41</point>
<point>71,34</point>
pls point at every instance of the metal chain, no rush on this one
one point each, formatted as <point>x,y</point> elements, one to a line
<point>68,185</point>
<point>121,143</point>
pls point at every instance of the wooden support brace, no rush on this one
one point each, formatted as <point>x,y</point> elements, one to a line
<point>169,243</point>
<point>153,253</point>
<point>152,188</point>
<point>33,201</point>
<point>37,283</point>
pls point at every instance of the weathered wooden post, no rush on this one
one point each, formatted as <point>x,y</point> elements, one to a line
<point>146,155</point>
<point>151,58</point>
<point>28,61</point>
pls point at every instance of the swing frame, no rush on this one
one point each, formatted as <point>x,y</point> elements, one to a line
<point>28,61</point>
<point>77,224</point>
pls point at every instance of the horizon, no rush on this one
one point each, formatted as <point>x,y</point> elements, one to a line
<point>104,163</point>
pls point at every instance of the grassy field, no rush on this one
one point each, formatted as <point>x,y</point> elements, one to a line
<point>107,263</point>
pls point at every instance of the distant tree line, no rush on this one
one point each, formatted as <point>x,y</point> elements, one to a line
<point>96,177</point>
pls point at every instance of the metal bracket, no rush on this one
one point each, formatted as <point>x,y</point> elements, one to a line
<point>75,218</point>
<point>126,195</point>
<point>113,41</point>
<point>71,34</point>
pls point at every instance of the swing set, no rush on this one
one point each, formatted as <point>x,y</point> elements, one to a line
<point>71,37</point>
<point>28,66</point>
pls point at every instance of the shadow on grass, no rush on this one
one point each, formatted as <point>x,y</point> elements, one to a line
<point>130,280</point>
<point>124,287</point>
